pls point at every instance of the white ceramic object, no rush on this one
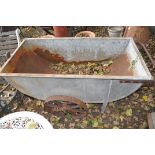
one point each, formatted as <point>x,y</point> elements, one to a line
<point>23,114</point>
<point>115,31</point>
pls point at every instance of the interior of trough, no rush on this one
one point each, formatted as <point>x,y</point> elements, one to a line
<point>39,61</point>
<point>80,56</point>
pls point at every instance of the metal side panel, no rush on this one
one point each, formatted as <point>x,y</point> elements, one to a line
<point>88,90</point>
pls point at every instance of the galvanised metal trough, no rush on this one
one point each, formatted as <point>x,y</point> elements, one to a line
<point>26,69</point>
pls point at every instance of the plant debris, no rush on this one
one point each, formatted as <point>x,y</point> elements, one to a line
<point>82,68</point>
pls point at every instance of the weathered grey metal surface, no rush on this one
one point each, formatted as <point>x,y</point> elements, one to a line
<point>82,49</point>
<point>88,88</point>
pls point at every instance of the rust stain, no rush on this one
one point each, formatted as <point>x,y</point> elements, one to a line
<point>27,61</point>
<point>10,67</point>
<point>37,61</point>
<point>45,54</point>
<point>120,66</point>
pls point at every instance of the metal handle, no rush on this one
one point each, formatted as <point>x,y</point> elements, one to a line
<point>151,82</point>
<point>147,52</point>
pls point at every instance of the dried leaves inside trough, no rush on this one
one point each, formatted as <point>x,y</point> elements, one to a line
<point>82,68</point>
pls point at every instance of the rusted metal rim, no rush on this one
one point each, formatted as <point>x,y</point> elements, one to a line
<point>72,105</point>
<point>147,52</point>
<point>69,99</point>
